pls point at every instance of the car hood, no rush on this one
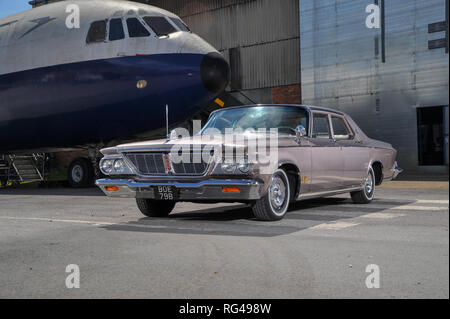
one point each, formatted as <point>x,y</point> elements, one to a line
<point>221,140</point>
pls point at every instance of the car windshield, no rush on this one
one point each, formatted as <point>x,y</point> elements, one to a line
<point>283,118</point>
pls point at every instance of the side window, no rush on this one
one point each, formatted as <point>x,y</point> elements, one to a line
<point>321,127</point>
<point>180,24</point>
<point>116,30</point>
<point>97,32</point>
<point>136,29</point>
<point>160,25</point>
<point>340,130</point>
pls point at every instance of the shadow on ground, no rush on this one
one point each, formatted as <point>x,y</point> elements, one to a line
<point>238,220</point>
<point>38,191</point>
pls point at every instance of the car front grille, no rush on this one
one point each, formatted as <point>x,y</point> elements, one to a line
<point>148,164</point>
<point>154,164</point>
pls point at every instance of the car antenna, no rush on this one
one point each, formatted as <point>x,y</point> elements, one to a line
<point>167,122</point>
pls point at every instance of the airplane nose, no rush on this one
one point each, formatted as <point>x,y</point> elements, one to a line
<point>215,72</point>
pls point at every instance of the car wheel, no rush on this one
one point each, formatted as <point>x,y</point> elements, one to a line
<point>365,196</point>
<point>154,208</point>
<point>80,173</point>
<point>273,206</point>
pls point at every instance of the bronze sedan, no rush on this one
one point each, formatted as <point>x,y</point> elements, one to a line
<point>317,152</point>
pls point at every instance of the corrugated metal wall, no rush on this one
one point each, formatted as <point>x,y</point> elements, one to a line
<point>341,66</point>
<point>265,31</point>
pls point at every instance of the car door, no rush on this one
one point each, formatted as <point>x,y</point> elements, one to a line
<point>355,155</point>
<point>327,161</point>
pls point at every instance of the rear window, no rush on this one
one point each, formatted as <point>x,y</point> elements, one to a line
<point>339,128</point>
<point>116,30</point>
<point>321,128</point>
<point>97,32</point>
<point>180,24</point>
<point>160,25</point>
<point>136,29</point>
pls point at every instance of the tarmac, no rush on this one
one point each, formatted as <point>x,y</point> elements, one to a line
<point>324,248</point>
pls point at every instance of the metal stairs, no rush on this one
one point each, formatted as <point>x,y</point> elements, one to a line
<point>4,170</point>
<point>27,167</point>
<point>3,164</point>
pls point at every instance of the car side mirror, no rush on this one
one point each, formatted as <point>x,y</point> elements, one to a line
<point>300,131</point>
<point>173,135</point>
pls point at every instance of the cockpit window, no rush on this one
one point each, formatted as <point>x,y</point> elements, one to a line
<point>97,32</point>
<point>160,25</point>
<point>180,24</point>
<point>116,30</point>
<point>136,29</point>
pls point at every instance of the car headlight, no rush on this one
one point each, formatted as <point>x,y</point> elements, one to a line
<point>119,166</point>
<point>106,166</point>
<point>234,168</point>
<point>228,168</point>
<point>244,168</point>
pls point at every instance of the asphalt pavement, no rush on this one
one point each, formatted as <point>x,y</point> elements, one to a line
<point>324,248</point>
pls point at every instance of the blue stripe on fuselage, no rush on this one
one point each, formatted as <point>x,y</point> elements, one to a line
<point>96,101</point>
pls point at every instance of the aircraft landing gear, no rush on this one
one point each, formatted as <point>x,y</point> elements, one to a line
<point>80,173</point>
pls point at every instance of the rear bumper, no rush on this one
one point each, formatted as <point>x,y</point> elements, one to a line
<point>392,173</point>
<point>397,171</point>
<point>201,190</point>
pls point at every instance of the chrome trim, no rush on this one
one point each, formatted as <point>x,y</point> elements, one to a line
<point>397,171</point>
<point>145,148</point>
<point>127,157</point>
<point>168,173</point>
<point>201,190</point>
<point>131,183</point>
<point>300,131</point>
<point>329,192</point>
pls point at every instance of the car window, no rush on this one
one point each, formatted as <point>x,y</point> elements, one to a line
<point>97,32</point>
<point>180,24</point>
<point>284,119</point>
<point>116,30</point>
<point>321,127</point>
<point>160,25</point>
<point>340,130</point>
<point>136,29</point>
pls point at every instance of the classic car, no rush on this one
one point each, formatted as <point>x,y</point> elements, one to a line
<point>319,152</point>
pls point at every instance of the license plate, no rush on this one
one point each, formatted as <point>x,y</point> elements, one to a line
<point>166,193</point>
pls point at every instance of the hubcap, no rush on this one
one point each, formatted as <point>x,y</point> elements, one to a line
<point>277,192</point>
<point>77,173</point>
<point>369,184</point>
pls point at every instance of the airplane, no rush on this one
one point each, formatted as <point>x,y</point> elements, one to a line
<point>110,77</point>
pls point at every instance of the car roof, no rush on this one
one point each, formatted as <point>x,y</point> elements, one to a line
<point>308,107</point>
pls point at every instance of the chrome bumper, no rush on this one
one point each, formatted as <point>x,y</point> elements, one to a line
<point>202,190</point>
<point>397,170</point>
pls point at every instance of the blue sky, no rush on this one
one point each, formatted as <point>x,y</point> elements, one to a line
<point>8,7</point>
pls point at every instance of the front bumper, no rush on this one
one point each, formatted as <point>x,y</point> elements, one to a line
<point>188,191</point>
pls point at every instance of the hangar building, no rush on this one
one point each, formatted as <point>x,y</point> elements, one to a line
<point>391,78</point>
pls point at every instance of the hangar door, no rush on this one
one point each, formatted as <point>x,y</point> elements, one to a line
<point>432,129</point>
